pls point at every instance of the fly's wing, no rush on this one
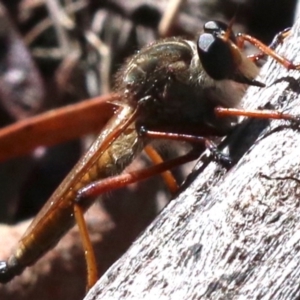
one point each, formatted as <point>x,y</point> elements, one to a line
<point>122,118</point>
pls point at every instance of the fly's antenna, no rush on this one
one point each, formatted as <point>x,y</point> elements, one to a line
<point>230,25</point>
<point>229,29</point>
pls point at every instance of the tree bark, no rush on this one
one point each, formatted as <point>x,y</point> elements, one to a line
<point>229,234</point>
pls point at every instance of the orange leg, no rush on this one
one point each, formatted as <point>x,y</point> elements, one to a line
<point>268,50</point>
<point>99,187</point>
<point>194,139</point>
<point>167,175</point>
<point>278,39</point>
<point>91,264</point>
<point>262,114</point>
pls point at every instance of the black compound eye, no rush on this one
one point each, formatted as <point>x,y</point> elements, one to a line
<point>212,26</point>
<point>214,52</point>
<point>218,28</point>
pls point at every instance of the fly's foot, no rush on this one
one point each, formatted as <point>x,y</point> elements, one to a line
<point>223,159</point>
<point>218,156</point>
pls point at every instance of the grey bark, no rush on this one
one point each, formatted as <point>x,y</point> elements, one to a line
<point>229,234</point>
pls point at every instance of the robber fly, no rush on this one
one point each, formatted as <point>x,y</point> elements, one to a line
<point>173,89</point>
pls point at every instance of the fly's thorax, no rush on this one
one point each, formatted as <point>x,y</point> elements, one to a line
<point>147,73</point>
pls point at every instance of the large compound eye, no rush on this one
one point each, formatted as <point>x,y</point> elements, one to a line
<point>218,28</point>
<point>214,52</point>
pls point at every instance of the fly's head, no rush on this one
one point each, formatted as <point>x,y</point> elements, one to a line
<point>221,57</point>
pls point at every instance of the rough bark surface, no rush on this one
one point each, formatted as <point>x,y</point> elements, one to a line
<point>230,234</point>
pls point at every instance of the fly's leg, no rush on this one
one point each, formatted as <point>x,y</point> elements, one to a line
<point>261,114</point>
<point>99,187</point>
<point>268,50</point>
<point>278,39</point>
<point>168,177</point>
<point>89,253</point>
<point>194,139</point>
